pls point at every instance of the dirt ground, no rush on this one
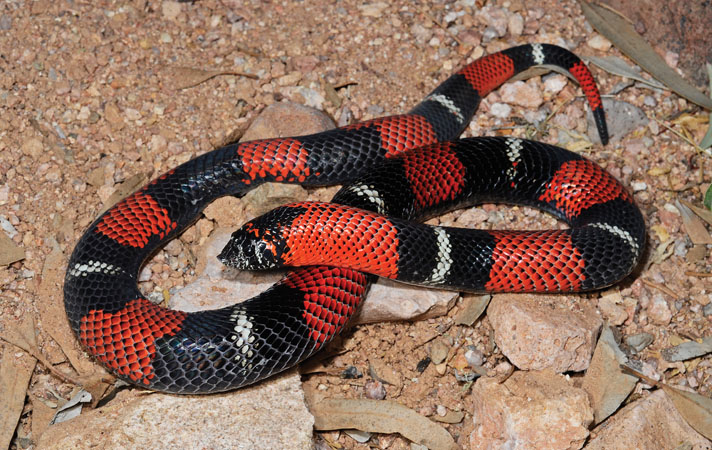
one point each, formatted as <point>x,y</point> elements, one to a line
<point>89,99</point>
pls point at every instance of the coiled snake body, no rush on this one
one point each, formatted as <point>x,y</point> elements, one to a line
<point>218,350</point>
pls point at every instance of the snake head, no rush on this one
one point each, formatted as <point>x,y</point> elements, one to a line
<point>248,248</point>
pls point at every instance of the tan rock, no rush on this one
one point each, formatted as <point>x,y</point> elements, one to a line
<point>650,422</point>
<point>287,119</point>
<point>530,410</point>
<point>521,93</point>
<point>271,414</point>
<point>388,300</point>
<point>33,147</point>
<point>538,331</point>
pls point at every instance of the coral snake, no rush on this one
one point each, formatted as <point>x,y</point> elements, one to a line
<point>394,170</point>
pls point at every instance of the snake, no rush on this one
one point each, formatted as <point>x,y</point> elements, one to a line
<point>395,170</point>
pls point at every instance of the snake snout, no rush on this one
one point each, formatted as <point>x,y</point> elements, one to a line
<point>245,251</point>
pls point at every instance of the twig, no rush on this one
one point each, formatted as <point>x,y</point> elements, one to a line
<point>691,273</point>
<point>662,288</point>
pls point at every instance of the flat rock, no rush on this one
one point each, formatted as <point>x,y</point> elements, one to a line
<point>530,410</point>
<point>287,119</point>
<point>650,422</point>
<point>621,118</point>
<point>247,418</point>
<point>544,331</point>
<point>388,301</point>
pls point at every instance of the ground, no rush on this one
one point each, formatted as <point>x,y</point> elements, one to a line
<point>90,97</point>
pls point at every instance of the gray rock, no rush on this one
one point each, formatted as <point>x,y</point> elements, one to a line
<point>621,118</point>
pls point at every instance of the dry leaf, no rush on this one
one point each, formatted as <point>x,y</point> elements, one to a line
<point>41,417</point>
<point>694,227</point>
<point>696,409</point>
<point>622,34</point>
<point>687,350</point>
<point>9,251</point>
<point>606,384</point>
<point>703,213</point>
<point>616,66</point>
<point>706,141</point>
<point>15,374</point>
<point>331,94</point>
<point>378,416</point>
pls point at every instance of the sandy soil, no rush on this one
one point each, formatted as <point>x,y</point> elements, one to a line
<point>88,99</point>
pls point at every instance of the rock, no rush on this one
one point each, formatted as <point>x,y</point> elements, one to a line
<point>439,350</point>
<point>599,43</point>
<point>515,25</point>
<point>269,196</point>
<point>658,310</point>
<point>287,119</point>
<point>373,9</point>
<point>521,93</point>
<point>158,144</point>
<point>609,305</point>
<point>536,332</point>
<point>554,83</point>
<point>226,212</point>
<point>170,9</point>
<point>271,414</point>
<point>5,22</point>
<point>495,19</point>
<point>530,410</point>
<point>501,110</point>
<point>639,341</point>
<point>650,422</point>
<point>33,148</point>
<point>606,384</point>
<point>374,390</point>
<point>388,300</point>
<point>621,118</point>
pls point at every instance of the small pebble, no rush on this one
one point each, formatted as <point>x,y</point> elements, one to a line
<point>5,22</point>
<point>639,186</point>
<point>351,373</point>
<point>515,25</point>
<point>441,410</point>
<point>639,341</point>
<point>145,274</point>
<point>438,351</point>
<point>598,42</point>
<point>554,83</point>
<point>374,390</point>
<point>474,357</point>
<point>707,310</point>
<point>501,110</point>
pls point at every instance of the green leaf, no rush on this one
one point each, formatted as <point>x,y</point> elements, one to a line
<point>707,140</point>
<point>708,198</point>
